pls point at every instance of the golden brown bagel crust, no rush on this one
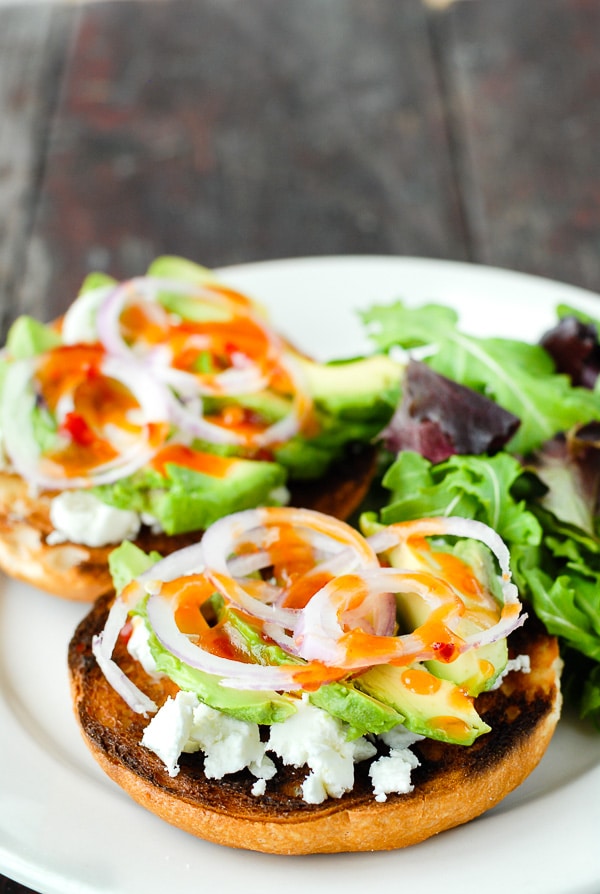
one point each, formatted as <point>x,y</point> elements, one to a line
<point>453,785</point>
<point>80,573</point>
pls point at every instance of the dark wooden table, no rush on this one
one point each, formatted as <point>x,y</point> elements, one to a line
<point>238,130</point>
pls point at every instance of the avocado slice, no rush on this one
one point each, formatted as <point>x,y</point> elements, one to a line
<point>188,500</point>
<point>362,712</point>
<point>364,388</point>
<point>255,707</point>
<point>431,706</point>
<point>128,561</point>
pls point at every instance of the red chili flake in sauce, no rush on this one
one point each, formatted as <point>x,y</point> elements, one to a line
<point>445,651</point>
<point>78,429</point>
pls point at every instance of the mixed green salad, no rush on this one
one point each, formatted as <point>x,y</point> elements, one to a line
<point>507,433</point>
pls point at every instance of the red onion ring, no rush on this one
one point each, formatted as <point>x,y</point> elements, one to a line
<point>320,635</point>
<point>510,614</point>
<point>102,648</point>
<point>234,674</point>
<point>20,400</point>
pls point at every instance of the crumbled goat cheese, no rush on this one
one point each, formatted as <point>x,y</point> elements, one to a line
<point>169,730</point>
<point>520,663</point>
<point>229,744</point>
<point>184,724</point>
<point>313,737</point>
<point>80,517</point>
<point>259,787</point>
<point>399,737</point>
<point>393,773</point>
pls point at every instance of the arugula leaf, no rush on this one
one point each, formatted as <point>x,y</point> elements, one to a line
<point>476,487</point>
<point>565,607</point>
<point>517,375</point>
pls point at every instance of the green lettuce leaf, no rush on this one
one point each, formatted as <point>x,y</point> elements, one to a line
<point>477,487</point>
<point>556,564</point>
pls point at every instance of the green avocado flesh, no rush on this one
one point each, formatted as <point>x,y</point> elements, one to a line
<point>255,707</point>
<point>187,500</point>
<point>28,337</point>
<point>359,710</point>
<point>431,706</point>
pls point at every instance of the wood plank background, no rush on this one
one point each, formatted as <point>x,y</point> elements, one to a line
<point>231,131</point>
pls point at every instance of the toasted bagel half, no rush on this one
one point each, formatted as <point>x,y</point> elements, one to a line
<point>452,785</point>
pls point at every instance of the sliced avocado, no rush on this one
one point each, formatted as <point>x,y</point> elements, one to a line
<point>28,337</point>
<point>255,707</point>
<point>96,280</point>
<point>187,500</point>
<point>431,706</point>
<point>366,388</point>
<point>363,713</point>
<point>171,267</point>
<point>127,562</point>
<point>477,669</point>
<point>174,267</point>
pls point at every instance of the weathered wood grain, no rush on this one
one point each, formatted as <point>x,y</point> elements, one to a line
<point>32,50</point>
<point>523,84</point>
<point>231,131</point>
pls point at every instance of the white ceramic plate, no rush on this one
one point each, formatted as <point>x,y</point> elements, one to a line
<point>65,828</point>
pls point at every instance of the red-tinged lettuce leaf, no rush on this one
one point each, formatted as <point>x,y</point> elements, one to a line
<point>574,347</point>
<point>439,418</point>
<point>569,466</point>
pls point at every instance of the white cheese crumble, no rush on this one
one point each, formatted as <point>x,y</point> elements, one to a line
<point>229,744</point>
<point>311,737</point>
<point>168,732</point>
<point>184,724</point>
<point>80,517</point>
<point>393,773</point>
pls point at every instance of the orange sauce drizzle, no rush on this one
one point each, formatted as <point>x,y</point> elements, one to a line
<point>138,321</point>
<point>97,401</point>
<point>181,455</point>
<point>455,728</point>
<point>421,682</point>
<point>191,594</point>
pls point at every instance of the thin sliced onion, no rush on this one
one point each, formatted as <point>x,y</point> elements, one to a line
<point>230,382</point>
<point>321,634</point>
<point>102,648</point>
<point>346,626</point>
<point>510,614</point>
<point>192,420</point>
<point>244,377</point>
<point>225,535</point>
<point>79,322</point>
<point>234,674</point>
<point>19,403</point>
